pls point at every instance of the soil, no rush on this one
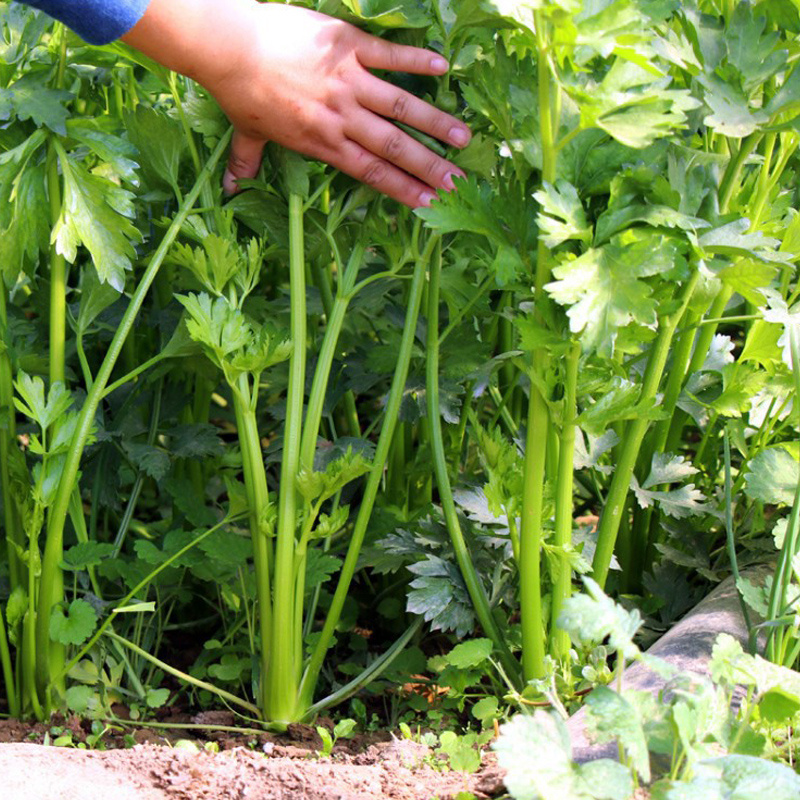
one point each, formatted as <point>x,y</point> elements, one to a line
<point>268,768</point>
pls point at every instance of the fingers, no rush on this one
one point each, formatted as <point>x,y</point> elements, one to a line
<point>371,169</point>
<point>389,143</point>
<point>374,53</point>
<point>390,101</point>
<point>243,162</point>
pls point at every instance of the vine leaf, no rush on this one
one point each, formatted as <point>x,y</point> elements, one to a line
<point>74,627</point>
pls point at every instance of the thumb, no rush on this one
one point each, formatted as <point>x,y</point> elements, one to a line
<point>243,161</point>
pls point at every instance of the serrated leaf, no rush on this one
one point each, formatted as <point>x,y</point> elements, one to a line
<point>115,151</point>
<point>31,98</point>
<point>604,291</point>
<point>95,298</point>
<point>535,753</point>
<point>197,440</point>
<point>155,698</point>
<point>24,230</point>
<point>755,596</point>
<point>731,114</point>
<point>74,627</point>
<point>619,401</point>
<point>160,141</point>
<point>772,476</point>
<point>469,208</point>
<point>778,312</point>
<point>778,706</point>
<point>228,548</point>
<point>761,344</point>
<point>96,213</point>
<point>185,498</point>
<point>85,554</point>
<point>605,779</point>
<point>216,324</point>
<point>80,698</point>
<point>668,468</point>
<point>320,566</point>
<point>611,717</point>
<point>562,216</point>
<point>230,667</point>
<point>479,156</point>
<point>32,403</point>
<point>741,383</point>
<point>632,107</point>
<point>150,460</point>
<point>749,277</point>
<point>470,654</point>
<point>747,777</point>
<point>736,239</point>
<point>337,474</point>
<point>657,216</point>
<point>205,116</point>
<point>686,501</point>
<point>752,51</point>
<point>486,709</point>
<point>15,609</point>
<point>592,617</point>
<point>440,596</point>
<point>266,348</point>
<point>586,458</point>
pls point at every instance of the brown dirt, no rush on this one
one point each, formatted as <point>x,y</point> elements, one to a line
<point>396,770</point>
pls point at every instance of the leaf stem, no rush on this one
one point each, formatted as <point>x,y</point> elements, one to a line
<point>538,424</point>
<point>562,581</point>
<point>470,575</point>
<point>374,479</point>
<point>184,676</point>
<point>782,577</point>
<point>69,476</point>
<point>284,671</point>
<point>13,527</point>
<point>611,516</point>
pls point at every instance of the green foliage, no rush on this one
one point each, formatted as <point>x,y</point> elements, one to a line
<point>631,188</point>
<point>75,626</point>
<point>96,213</point>
<point>343,729</point>
<point>536,754</point>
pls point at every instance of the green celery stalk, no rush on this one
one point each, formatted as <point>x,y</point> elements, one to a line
<point>634,434</point>
<point>284,672</point>
<point>472,581</point>
<point>374,480</point>
<point>562,581</point>
<point>51,560</point>
<point>538,423</point>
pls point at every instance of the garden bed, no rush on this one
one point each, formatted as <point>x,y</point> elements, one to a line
<point>396,769</point>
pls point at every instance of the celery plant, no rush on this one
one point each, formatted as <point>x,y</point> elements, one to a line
<point>48,584</point>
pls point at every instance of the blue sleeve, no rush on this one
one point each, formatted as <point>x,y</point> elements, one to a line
<point>96,21</point>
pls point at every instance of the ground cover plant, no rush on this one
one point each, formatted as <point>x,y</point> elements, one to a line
<point>306,428</point>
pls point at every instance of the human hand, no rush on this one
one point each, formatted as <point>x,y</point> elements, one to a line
<point>302,79</point>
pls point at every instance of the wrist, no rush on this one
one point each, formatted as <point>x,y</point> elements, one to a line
<point>202,39</point>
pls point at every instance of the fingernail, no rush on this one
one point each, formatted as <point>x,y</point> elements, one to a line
<point>229,185</point>
<point>459,136</point>
<point>439,64</point>
<point>448,181</point>
<point>426,198</point>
